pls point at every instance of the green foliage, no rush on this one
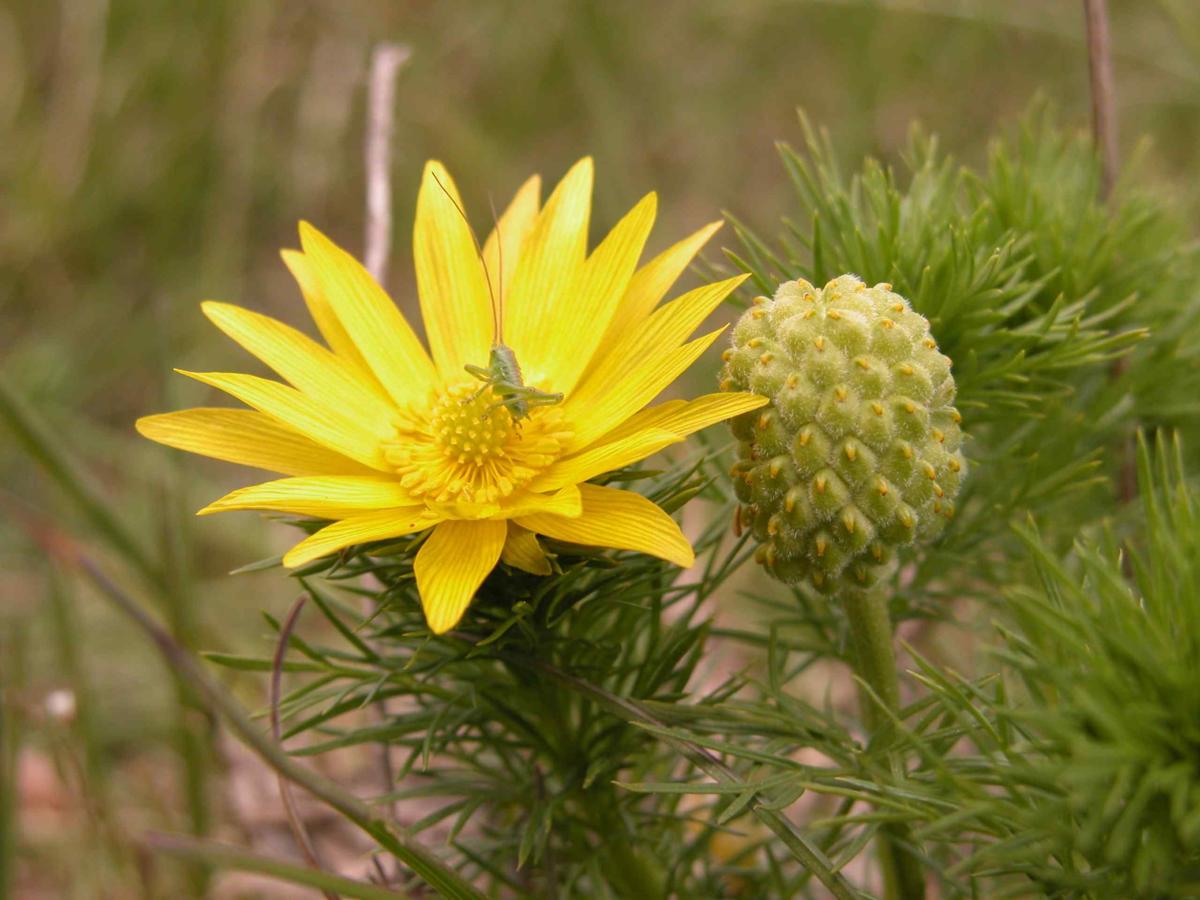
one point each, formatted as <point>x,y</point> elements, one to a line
<point>1112,716</point>
<point>1066,319</point>
<point>1072,770</point>
<point>564,738</point>
<point>513,766</point>
<point>156,158</point>
<point>1083,773</point>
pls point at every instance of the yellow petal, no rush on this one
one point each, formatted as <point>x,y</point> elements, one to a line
<point>604,457</point>
<point>455,300</point>
<point>652,281</point>
<point>322,313</point>
<point>522,551</point>
<point>371,319</point>
<point>248,438</point>
<point>686,416</point>
<point>321,375</point>
<point>502,250</point>
<point>594,416</point>
<point>550,258</point>
<point>292,408</point>
<point>320,496</point>
<point>620,519</point>
<point>665,329</point>
<point>564,502</point>
<point>575,326</point>
<point>452,564</point>
<point>376,526</point>
<point>642,349</point>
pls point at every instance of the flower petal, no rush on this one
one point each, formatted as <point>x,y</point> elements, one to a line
<point>665,329</point>
<point>320,496</point>
<point>575,329</point>
<point>322,312</point>
<point>564,502</point>
<point>287,405</point>
<point>595,415</point>
<point>248,438</point>
<point>455,300</point>
<point>328,380</point>
<point>651,282</point>
<point>686,416</point>
<point>644,349</point>
<point>550,257</point>
<point>604,457</point>
<point>620,519</point>
<point>376,526</point>
<point>502,250</point>
<point>371,319</point>
<point>452,564</point>
<point>522,551</point>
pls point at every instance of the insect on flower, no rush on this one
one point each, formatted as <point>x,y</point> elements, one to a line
<point>382,435</point>
<point>503,372</point>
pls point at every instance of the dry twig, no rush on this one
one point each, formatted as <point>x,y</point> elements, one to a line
<point>386,61</point>
<point>285,787</point>
<point>1103,90</point>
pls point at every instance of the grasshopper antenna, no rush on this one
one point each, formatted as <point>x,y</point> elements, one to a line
<point>500,267</point>
<point>496,320</point>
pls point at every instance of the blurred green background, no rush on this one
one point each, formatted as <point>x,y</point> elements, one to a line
<point>156,154</point>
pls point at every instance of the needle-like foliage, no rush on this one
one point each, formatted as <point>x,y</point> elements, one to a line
<point>497,729</point>
<point>1068,320</point>
<point>569,739</point>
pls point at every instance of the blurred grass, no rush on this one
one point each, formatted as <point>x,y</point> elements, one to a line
<point>158,154</point>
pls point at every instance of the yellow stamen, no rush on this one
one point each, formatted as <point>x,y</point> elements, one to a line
<point>471,450</point>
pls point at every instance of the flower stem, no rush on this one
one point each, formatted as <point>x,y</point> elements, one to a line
<point>875,662</point>
<point>634,874</point>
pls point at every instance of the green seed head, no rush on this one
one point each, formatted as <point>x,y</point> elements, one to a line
<point>859,451</point>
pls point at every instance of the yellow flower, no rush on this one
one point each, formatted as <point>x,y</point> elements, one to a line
<point>386,438</point>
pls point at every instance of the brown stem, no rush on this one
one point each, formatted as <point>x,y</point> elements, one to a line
<point>1104,95</point>
<point>1104,133</point>
<point>386,61</point>
<point>439,876</point>
<point>285,787</point>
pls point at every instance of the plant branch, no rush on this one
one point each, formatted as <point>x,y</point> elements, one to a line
<point>47,452</point>
<point>424,864</point>
<point>285,787</point>
<point>809,855</point>
<point>226,856</point>
<point>386,61</point>
<point>1103,91</point>
<point>875,660</point>
<point>1104,135</point>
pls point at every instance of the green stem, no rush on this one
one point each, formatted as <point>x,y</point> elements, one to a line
<point>436,873</point>
<point>41,444</point>
<point>875,662</point>
<point>193,729</point>
<point>805,852</point>
<point>12,679</point>
<point>633,874</point>
<point>224,856</point>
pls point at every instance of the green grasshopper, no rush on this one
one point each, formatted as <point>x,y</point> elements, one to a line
<point>502,373</point>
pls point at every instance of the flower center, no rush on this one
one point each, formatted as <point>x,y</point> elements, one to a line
<point>471,427</point>
<point>468,448</point>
